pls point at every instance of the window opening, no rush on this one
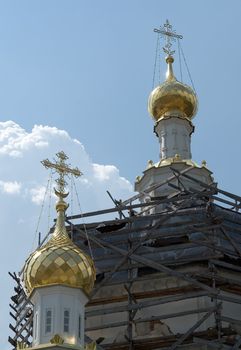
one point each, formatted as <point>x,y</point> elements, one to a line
<point>79,327</point>
<point>48,321</point>
<point>66,320</point>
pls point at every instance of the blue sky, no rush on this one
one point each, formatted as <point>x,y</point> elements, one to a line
<point>86,67</point>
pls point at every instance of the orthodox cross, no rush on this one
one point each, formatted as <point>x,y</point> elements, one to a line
<point>63,169</point>
<point>170,35</point>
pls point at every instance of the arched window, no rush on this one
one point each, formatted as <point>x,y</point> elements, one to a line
<point>48,321</point>
<point>66,320</point>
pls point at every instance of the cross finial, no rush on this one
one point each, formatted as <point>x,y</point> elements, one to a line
<point>63,169</point>
<point>170,35</point>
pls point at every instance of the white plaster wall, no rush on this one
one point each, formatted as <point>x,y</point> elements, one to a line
<point>58,298</point>
<point>167,326</point>
<point>174,136</point>
<point>160,174</point>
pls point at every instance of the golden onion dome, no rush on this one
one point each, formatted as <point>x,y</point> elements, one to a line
<point>172,98</point>
<point>59,261</point>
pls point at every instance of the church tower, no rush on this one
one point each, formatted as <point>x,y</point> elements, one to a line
<point>58,278</point>
<point>172,106</point>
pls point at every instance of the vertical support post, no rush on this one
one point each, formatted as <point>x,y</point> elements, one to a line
<point>130,325</point>
<point>23,316</point>
<point>131,313</point>
<point>218,306</point>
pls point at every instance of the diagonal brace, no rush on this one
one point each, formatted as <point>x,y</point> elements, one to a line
<point>192,329</point>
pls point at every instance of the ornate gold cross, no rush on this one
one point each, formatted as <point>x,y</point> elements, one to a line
<point>63,169</point>
<point>170,35</point>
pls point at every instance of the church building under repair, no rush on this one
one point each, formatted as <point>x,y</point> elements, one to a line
<point>164,274</point>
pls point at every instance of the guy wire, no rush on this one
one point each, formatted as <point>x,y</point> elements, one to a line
<point>71,203</point>
<point>180,60</point>
<point>155,62</point>
<point>42,208</point>
<point>50,197</point>
<point>189,74</point>
<point>86,233</point>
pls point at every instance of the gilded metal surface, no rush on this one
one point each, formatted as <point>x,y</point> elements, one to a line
<point>170,35</point>
<point>62,169</point>
<point>91,346</point>
<point>172,97</point>
<point>174,160</point>
<point>177,159</point>
<point>21,345</point>
<point>59,261</point>
<point>57,339</point>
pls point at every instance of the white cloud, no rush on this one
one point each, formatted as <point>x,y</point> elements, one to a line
<point>22,187</point>
<point>104,172</point>
<point>15,141</point>
<point>22,173</point>
<point>10,187</point>
<point>37,194</point>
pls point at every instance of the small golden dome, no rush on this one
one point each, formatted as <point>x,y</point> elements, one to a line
<point>172,98</point>
<point>59,261</point>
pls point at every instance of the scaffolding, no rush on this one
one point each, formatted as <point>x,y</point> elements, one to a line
<point>193,237</point>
